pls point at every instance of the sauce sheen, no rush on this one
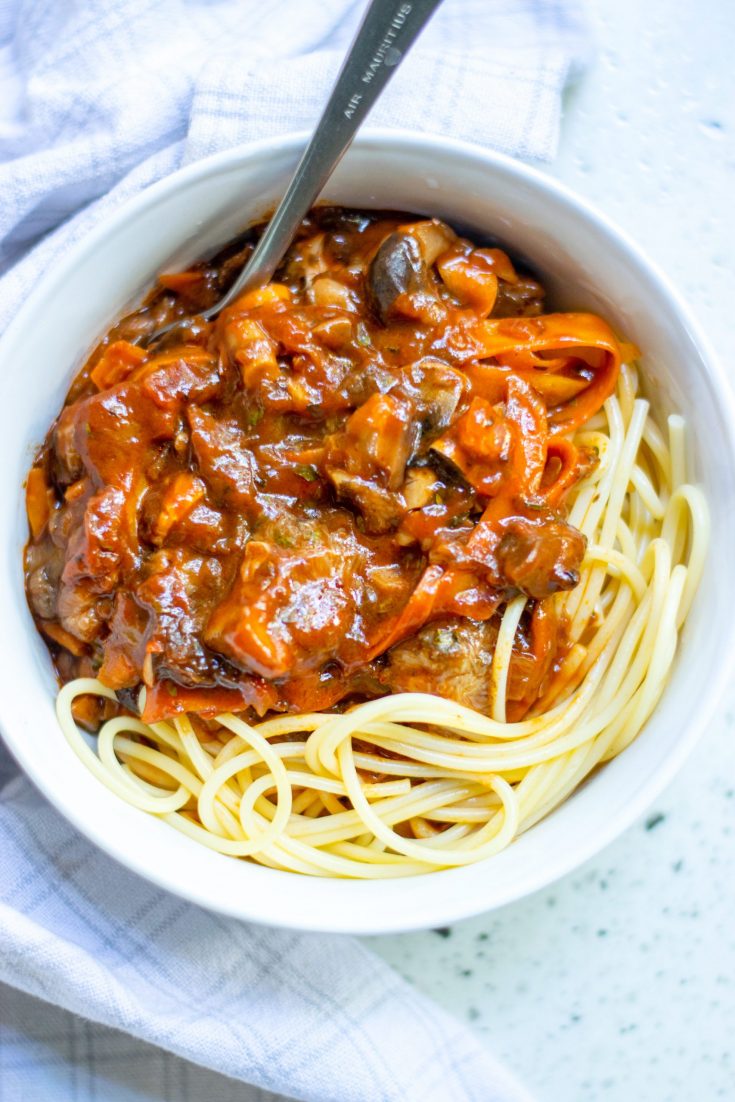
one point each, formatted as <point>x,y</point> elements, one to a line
<point>329,493</point>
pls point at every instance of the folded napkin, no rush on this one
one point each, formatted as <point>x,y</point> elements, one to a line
<point>99,98</point>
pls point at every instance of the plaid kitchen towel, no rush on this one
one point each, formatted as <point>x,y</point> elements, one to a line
<point>99,98</point>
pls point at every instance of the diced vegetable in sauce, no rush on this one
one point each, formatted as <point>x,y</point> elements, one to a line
<point>328,493</point>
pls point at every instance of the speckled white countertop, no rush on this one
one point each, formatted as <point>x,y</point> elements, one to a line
<point>618,983</point>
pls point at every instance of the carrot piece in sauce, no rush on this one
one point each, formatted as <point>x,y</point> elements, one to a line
<point>39,498</point>
<point>115,364</point>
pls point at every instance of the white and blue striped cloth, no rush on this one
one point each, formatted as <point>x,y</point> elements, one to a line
<point>99,98</point>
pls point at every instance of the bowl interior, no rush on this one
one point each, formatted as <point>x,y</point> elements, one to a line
<point>586,264</point>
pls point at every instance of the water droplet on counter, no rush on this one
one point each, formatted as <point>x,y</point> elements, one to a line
<point>712,128</point>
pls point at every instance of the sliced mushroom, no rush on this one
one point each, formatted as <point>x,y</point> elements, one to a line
<point>67,462</point>
<point>400,281</point>
<point>420,487</point>
<point>397,269</point>
<point>434,238</point>
<point>366,462</point>
<point>378,441</point>
<point>306,260</point>
<point>524,298</point>
<point>479,445</point>
<point>43,579</point>
<point>380,509</point>
<point>328,291</point>
<point>471,279</point>
<point>437,389</point>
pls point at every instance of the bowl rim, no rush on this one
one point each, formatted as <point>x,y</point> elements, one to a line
<point>486,896</point>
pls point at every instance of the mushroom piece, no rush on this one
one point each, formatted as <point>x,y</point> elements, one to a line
<point>44,563</point>
<point>434,238</point>
<point>306,260</point>
<point>366,462</point>
<point>400,280</point>
<point>67,463</point>
<point>479,446</point>
<point>381,509</point>
<point>397,269</point>
<point>325,290</point>
<point>421,484</point>
<point>522,299</point>
<point>437,390</point>
<point>378,441</point>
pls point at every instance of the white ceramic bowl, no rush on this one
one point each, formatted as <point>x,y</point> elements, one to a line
<point>586,263</point>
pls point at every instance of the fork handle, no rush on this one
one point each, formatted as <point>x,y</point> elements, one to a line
<point>387,32</point>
